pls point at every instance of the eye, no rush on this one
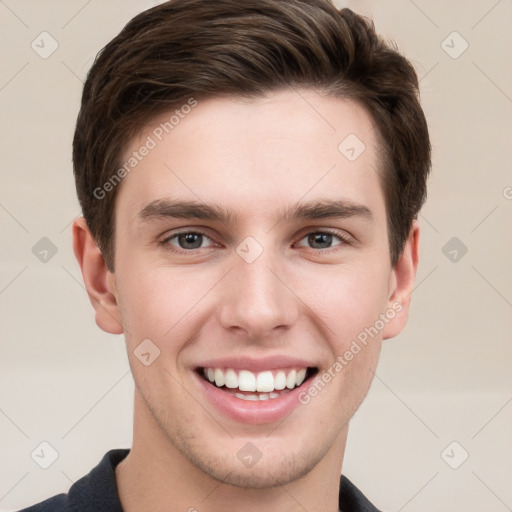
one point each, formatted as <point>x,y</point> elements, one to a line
<point>186,241</point>
<point>322,240</point>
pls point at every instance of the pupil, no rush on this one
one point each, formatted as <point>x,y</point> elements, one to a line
<point>190,239</point>
<point>324,239</point>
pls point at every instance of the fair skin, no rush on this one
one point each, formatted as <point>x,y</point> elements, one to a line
<point>305,298</point>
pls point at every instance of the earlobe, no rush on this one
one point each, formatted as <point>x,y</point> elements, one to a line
<point>402,283</point>
<point>99,281</point>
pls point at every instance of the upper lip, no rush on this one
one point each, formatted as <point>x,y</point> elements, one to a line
<point>256,364</point>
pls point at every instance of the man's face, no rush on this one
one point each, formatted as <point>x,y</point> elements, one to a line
<point>261,290</point>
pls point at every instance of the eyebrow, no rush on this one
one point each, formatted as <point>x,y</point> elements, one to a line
<point>325,209</point>
<point>316,209</point>
<point>165,208</point>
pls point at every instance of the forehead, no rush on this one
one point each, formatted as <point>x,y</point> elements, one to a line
<point>261,152</point>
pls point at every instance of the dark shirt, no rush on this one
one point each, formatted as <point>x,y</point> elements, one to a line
<point>97,492</point>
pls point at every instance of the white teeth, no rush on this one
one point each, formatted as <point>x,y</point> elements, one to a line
<point>231,380</point>
<point>280,380</point>
<point>263,382</point>
<point>253,398</point>
<point>246,381</point>
<point>260,396</point>
<point>301,375</point>
<point>291,379</point>
<point>219,377</point>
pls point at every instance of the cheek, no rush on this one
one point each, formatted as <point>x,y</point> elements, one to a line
<point>347,299</point>
<point>158,303</point>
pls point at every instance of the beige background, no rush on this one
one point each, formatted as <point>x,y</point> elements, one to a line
<point>446,378</point>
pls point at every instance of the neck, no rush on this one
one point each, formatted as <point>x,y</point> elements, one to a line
<point>156,476</point>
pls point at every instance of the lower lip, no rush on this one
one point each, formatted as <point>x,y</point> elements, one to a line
<point>257,412</point>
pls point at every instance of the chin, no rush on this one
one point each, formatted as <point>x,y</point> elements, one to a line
<point>264,474</point>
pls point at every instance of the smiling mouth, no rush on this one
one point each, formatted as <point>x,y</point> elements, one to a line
<point>251,386</point>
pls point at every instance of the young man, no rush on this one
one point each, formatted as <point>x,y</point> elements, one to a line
<point>249,174</point>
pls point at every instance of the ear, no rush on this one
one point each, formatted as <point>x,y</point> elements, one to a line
<point>401,284</point>
<point>99,281</point>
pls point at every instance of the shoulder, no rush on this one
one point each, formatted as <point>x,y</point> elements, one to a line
<point>95,492</point>
<point>351,499</point>
<point>58,503</point>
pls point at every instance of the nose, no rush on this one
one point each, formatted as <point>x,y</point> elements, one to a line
<point>257,299</point>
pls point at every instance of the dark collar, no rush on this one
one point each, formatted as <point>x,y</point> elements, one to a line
<point>97,492</point>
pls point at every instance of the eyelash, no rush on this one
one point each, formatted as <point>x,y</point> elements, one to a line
<point>343,239</point>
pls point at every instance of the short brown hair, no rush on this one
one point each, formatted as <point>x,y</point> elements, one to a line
<point>186,49</point>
